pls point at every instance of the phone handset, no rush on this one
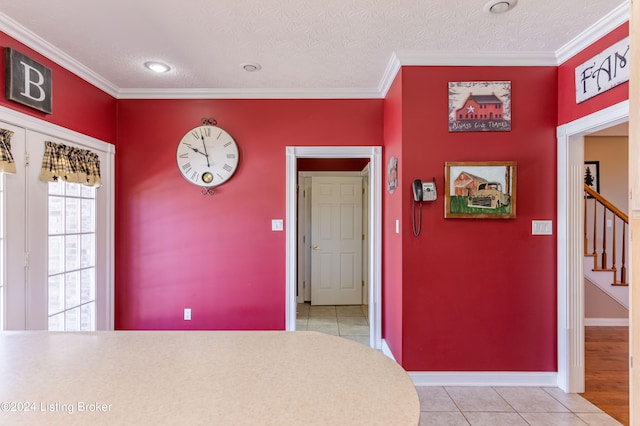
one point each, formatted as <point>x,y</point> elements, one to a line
<point>417,190</point>
<point>422,191</point>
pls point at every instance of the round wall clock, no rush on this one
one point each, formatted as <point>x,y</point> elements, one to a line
<point>207,156</point>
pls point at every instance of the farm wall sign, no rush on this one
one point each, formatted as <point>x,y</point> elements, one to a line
<point>604,71</point>
<point>480,106</point>
<point>26,81</point>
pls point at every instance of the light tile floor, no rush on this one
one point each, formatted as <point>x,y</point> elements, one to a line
<point>512,406</point>
<point>348,321</point>
<point>462,405</point>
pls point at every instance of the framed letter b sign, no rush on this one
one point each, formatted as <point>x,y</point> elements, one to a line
<point>27,81</point>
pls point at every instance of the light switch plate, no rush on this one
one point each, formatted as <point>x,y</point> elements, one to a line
<point>277,225</point>
<point>541,227</point>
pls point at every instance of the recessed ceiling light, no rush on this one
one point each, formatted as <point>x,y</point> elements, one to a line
<point>158,67</point>
<point>250,66</point>
<point>499,6</point>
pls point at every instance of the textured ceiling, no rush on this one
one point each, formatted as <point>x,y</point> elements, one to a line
<point>302,45</point>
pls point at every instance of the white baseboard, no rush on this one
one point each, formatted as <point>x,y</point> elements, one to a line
<point>481,378</point>
<point>607,322</point>
<point>477,378</point>
<point>387,350</point>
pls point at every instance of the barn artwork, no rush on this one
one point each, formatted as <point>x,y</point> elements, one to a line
<point>484,190</point>
<point>480,106</point>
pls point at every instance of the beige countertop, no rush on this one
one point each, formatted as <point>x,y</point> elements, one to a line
<point>199,377</point>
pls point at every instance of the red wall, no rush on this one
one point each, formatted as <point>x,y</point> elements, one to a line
<point>445,307</point>
<point>568,110</point>
<point>479,294</point>
<point>215,254</point>
<point>392,283</point>
<point>77,105</point>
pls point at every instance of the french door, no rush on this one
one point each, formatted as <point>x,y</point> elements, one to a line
<point>57,246</point>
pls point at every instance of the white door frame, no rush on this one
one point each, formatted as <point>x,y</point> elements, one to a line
<point>105,315</point>
<point>570,241</point>
<point>374,154</point>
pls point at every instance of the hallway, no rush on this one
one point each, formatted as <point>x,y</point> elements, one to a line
<point>348,321</point>
<point>607,370</point>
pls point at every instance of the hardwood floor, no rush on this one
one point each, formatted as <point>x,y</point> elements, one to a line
<point>607,370</point>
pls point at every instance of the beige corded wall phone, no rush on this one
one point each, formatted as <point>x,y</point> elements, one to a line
<point>422,191</point>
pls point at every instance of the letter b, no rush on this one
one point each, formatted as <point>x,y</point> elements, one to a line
<point>30,71</point>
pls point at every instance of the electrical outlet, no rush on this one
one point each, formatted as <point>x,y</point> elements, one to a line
<point>187,314</point>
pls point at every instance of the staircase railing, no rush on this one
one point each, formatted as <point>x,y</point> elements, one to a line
<point>609,212</point>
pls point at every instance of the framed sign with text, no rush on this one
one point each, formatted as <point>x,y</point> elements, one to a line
<point>480,106</point>
<point>26,81</point>
<point>604,71</point>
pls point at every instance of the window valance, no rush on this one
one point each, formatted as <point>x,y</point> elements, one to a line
<point>70,164</point>
<point>7,165</point>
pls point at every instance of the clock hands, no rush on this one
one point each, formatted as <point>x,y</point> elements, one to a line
<point>197,150</point>
<point>205,150</point>
<point>204,146</point>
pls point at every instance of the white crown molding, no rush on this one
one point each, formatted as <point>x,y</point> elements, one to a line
<point>389,75</point>
<point>608,23</point>
<point>24,36</point>
<point>402,58</point>
<point>248,93</point>
<point>409,58</point>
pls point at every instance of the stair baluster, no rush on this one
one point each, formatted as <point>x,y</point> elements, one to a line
<point>621,279</point>
<point>604,239</point>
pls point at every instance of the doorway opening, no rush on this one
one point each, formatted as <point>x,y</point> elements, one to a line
<point>374,229</point>
<point>570,243</point>
<point>333,284</point>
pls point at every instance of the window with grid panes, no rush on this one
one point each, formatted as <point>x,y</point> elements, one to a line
<point>72,257</point>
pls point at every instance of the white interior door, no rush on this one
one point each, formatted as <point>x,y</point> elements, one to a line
<point>304,238</point>
<point>366,239</point>
<point>336,240</point>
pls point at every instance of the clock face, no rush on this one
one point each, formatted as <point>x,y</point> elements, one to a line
<point>207,156</point>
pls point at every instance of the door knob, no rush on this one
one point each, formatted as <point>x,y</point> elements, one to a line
<point>315,247</point>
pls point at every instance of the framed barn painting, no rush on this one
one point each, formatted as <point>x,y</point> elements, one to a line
<point>480,106</point>
<point>482,190</point>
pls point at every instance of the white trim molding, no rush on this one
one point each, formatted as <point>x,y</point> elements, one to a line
<point>478,58</point>
<point>398,59</point>
<point>374,154</point>
<point>54,130</point>
<point>606,322</point>
<point>46,49</point>
<point>387,350</point>
<point>570,252</point>
<point>608,23</point>
<point>482,378</point>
